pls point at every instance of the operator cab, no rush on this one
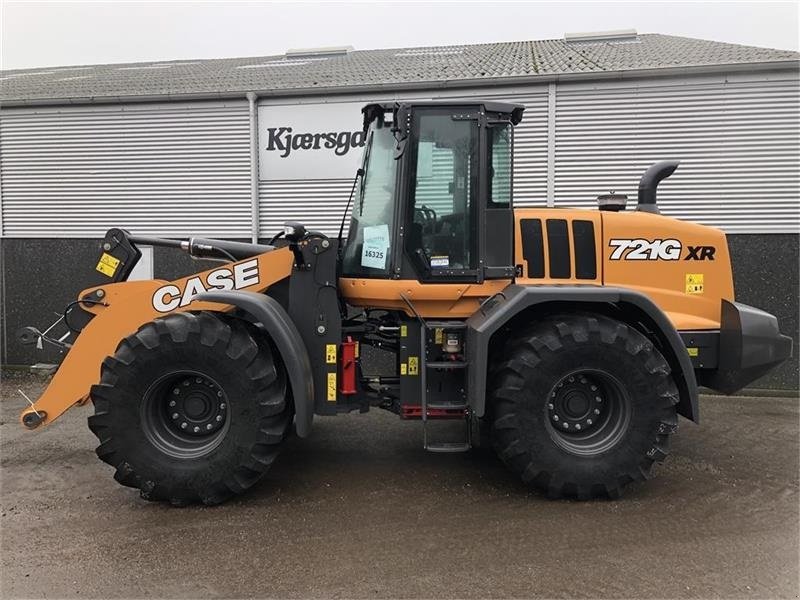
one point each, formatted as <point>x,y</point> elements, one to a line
<point>433,202</point>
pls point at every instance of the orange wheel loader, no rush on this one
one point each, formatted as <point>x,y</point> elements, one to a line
<point>571,339</point>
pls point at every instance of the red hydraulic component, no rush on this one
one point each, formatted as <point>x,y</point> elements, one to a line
<point>349,353</point>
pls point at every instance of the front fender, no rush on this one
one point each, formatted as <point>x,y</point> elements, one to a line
<point>271,315</point>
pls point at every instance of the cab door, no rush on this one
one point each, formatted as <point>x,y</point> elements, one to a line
<point>458,219</point>
<point>442,235</point>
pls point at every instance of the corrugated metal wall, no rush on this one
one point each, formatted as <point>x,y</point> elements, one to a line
<point>738,143</point>
<point>530,149</point>
<point>182,168</point>
<point>317,203</point>
<point>165,169</point>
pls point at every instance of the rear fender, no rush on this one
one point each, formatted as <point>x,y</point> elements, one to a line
<point>498,311</point>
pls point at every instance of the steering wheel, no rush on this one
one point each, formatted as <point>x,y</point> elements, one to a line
<point>428,216</point>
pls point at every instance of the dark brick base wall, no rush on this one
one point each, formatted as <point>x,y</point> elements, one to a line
<point>765,274</point>
<point>39,277</point>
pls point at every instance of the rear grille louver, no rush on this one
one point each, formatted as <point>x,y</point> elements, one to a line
<point>577,261</point>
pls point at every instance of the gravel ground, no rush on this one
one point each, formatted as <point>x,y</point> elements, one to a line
<point>360,510</point>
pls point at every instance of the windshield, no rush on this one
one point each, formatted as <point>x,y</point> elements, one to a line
<point>369,240</point>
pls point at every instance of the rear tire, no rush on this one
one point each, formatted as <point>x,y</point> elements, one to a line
<point>582,405</point>
<point>191,408</point>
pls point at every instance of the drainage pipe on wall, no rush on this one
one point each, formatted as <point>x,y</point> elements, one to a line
<point>253,108</point>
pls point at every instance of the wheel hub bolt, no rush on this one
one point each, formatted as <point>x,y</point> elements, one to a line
<point>184,425</point>
<point>222,406</point>
<point>566,425</point>
<point>219,417</point>
<point>589,421</point>
<point>198,380</point>
<point>597,411</point>
<point>555,417</point>
<point>186,382</point>
<point>593,388</point>
<point>174,416</point>
<point>176,391</point>
<point>598,399</point>
<point>209,426</point>
<point>197,429</point>
<point>550,406</point>
<point>577,426</point>
<point>172,403</point>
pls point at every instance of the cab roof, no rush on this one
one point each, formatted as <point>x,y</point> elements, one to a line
<point>371,111</point>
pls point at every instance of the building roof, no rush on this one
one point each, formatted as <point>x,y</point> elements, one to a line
<point>331,70</point>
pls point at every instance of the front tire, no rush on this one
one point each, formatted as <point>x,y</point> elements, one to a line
<point>191,408</point>
<point>582,405</point>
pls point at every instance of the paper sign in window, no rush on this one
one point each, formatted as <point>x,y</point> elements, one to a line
<point>376,247</point>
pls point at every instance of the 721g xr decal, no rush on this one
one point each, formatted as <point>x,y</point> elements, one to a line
<point>668,249</point>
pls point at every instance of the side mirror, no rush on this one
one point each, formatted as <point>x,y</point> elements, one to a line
<point>294,231</point>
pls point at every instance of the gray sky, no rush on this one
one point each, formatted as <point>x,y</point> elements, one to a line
<point>37,34</point>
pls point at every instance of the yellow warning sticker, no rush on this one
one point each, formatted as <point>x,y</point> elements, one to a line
<point>403,368</point>
<point>693,351</point>
<point>403,330</point>
<point>330,354</point>
<point>413,365</point>
<point>438,333</point>
<point>331,387</point>
<point>108,264</point>
<point>694,283</point>
<point>358,348</point>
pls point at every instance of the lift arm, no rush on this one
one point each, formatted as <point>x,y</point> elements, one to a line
<point>119,309</point>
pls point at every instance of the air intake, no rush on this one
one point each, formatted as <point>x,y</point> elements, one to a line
<point>612,201</point>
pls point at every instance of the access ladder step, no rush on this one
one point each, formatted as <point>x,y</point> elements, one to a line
<point>446,364</point>
<point>441,411</point>
<point>447,406</point>
<point>448,447</point>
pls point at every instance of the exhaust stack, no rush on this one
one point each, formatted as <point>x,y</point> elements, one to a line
<point>648,184</point>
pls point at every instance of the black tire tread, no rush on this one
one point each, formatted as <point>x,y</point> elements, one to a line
<point>526,350</point>
<point>235,339</point>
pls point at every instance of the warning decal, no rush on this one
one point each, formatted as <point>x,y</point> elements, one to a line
<point>413,365</point>
<point>694,283</point>
<point>108,264</point>
<point>331,387</point>
<point>330,354</point>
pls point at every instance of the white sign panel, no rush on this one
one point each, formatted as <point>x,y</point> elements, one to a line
<point>310,141</point>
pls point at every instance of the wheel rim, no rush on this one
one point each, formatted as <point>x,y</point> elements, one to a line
<point>185,414</point>
<point>587,412</point>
